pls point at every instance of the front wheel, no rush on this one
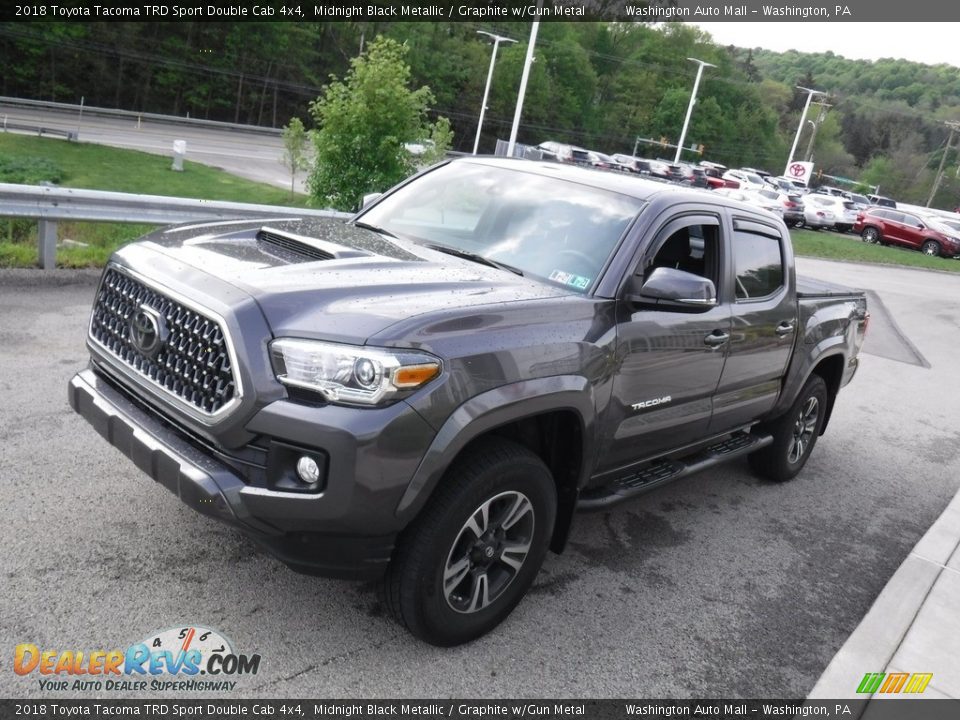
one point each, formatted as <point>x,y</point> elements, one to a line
<point>794,434</point>
<point>475,549</point>
<point>930,247</point>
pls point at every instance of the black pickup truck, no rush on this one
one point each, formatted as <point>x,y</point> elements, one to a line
<point>427,392</point>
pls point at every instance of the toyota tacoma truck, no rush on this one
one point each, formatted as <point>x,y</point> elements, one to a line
<point>426,392</point>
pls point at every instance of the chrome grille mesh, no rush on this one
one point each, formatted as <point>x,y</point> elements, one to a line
<point>192,362</point>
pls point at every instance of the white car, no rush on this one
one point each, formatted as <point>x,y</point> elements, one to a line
<point>747,180</point>
<point>767,199</point>
<point>817,216</point>
<point>786,185</point>
<point>843,211</point>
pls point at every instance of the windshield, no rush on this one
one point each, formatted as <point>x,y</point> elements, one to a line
<point>949,227</point>
<point>548,228</point>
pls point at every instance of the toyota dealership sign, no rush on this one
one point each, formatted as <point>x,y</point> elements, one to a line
<point>799,171</point>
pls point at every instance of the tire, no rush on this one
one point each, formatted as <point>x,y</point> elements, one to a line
<point>870,235</point>
<point>930,247</point>
<point>798,223</point>
<point>453,576</point>
<point>794,433</point>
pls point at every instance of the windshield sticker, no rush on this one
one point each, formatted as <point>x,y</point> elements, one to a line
<point>577,281</point>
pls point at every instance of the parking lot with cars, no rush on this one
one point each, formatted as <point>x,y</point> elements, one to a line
<point>716,585</point>
<point>873,217</point>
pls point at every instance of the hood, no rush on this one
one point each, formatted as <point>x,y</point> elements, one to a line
<point>329,280</point>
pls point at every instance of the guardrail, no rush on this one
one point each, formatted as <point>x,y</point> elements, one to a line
<point>132,114</point>
<point>38,129</point>
<point>50,204</point>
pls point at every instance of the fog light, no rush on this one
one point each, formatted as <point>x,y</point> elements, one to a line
<point>308,470</point>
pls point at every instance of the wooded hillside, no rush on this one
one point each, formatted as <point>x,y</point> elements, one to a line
<point>600,85</point>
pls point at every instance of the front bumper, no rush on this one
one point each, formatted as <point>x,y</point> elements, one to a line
<point>316,534</point>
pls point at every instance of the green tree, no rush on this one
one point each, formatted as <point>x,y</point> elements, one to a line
<point>363,123</point>
<point>295,149</point>
<point>440,138</point>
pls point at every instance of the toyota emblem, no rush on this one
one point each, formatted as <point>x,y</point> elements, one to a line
<point>147,330</point>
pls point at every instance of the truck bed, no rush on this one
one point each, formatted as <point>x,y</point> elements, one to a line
<point>808,287</point>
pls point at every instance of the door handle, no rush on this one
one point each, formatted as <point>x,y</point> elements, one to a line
<point>716,338</point>
<point>784,329</point>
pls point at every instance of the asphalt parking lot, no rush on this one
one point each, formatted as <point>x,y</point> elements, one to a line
<point>719,585</point>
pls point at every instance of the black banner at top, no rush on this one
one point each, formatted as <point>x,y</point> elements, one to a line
<point>488,10</point>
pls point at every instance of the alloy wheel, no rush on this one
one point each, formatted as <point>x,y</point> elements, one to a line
<point>488,552</point>
<point>803,430</point>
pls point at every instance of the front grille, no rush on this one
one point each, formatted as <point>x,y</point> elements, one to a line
<point>191,363</point>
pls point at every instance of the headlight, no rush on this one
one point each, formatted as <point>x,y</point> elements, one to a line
<point>352,374</point>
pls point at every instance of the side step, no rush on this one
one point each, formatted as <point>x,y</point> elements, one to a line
<point>661,471</point>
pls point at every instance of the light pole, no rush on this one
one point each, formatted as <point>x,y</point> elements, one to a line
<point>803,117</point>
<point>497,39</point>
<point>528,61</point>
<point>693,99</point>
<point>816,126</point>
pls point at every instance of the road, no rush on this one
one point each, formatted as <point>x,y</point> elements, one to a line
<point>252,155</point>
<point>717,585</point>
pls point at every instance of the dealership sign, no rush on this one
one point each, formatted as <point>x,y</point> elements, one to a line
<point>799,171</point>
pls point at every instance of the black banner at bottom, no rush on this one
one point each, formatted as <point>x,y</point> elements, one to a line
<point>709,709</point>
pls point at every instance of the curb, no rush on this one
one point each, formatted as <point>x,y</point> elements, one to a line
<point>35,277</point>
<point>881,634</point>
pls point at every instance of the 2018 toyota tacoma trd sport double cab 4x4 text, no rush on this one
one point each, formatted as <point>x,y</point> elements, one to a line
<point>427,392</point>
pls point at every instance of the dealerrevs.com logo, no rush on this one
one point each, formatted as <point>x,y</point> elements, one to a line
<point>183,658</point>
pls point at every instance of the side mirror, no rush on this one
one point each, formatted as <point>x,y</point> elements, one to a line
<point>668,287</point>
<point>368,199</point>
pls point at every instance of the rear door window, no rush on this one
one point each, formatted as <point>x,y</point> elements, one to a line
<point>758,261</point>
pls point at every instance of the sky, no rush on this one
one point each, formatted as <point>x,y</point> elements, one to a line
<point>930,43</point>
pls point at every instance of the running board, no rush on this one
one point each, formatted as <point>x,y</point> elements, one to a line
<point>661,471</point>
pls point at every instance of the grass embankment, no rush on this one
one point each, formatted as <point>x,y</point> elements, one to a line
<point>834,246</point>
<point>32,160</point>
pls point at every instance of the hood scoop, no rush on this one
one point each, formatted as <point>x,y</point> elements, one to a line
<point>292,248</point>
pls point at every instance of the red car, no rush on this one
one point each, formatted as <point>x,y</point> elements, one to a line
<point>895,227</point>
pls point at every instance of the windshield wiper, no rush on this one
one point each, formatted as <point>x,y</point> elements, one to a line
<point>375,228</point>
<point>467,255</point>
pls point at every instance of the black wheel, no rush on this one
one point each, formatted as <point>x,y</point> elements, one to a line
<point>475,549</point>
<point>870,235</point>
<point>794,434</point>
<point>930,247</point>
<point>798,223</point>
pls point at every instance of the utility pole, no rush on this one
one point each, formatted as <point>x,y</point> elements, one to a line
<point>497,39</point>
<point>527,62</point>
<point>810,93</point>
<point>816,125</point>
<point>693,99</point>
<point>954,126</point>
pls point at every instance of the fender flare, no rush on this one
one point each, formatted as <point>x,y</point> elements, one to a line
<point>827,348</point>
<point>489,410</point>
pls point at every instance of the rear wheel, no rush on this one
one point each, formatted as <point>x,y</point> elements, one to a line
<point>794,434</point>
<point>870,235</point>
<point>930,247</point>
<point>476,548</point>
